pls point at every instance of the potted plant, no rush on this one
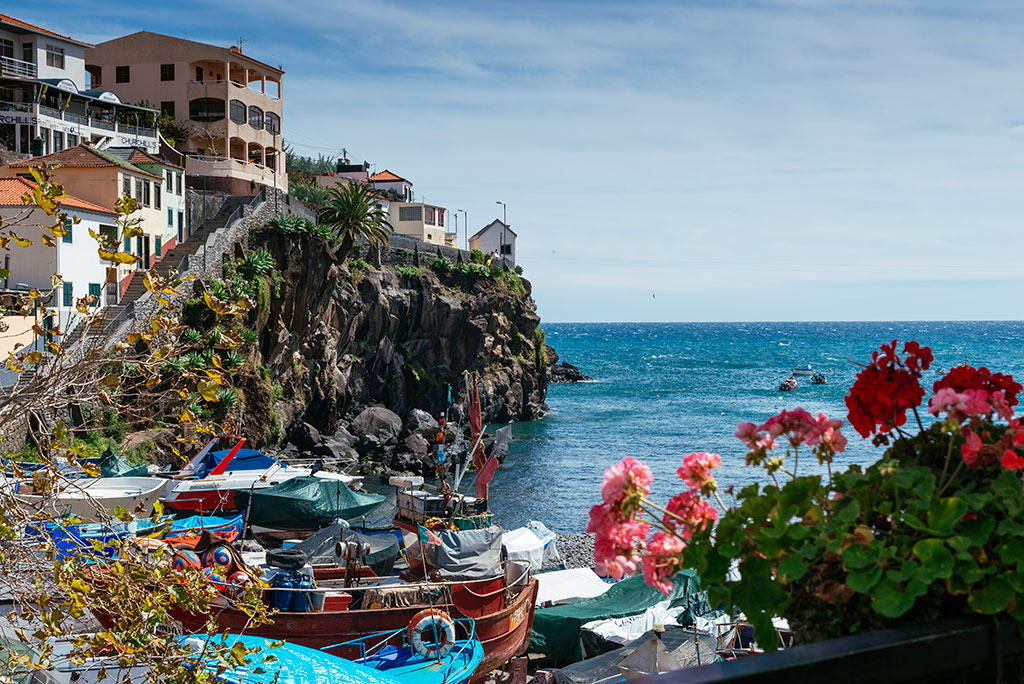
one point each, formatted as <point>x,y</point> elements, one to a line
<point>933,529</point>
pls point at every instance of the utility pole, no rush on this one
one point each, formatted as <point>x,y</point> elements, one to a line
<point>504,222</point>
<point>465,226</point>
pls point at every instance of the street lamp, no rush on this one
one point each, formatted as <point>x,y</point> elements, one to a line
<point>504,222</point>
<point>465,226</point>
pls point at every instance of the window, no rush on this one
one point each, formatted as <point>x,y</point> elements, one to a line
<point>440,217</point>
<point>109,234</point>
<point>94,290</point>
<point>273,123</point>
<point>167,107</point>
<point>138,190</point>
<point>145,193</point>
<point>410,213</point>
<point>6,48</point>
<point>72,139</point>
<point>206,109</point>
<point>128,245</point>
<point>156,195</point>
<point>122,74</point>
<point>181,221</point>
<point>166,72</point>
<point>429,219</point>
<point>506,249</point>
<point>199,74</point>
<point>68,225</point>
<point>127,189</point>
<point>54,57</point>
<point>58,141</point>
<point>69,293</point>
<point>170,217</point>
<point>159,247</point>
<point>178,185</point>
<point>170,180</point>
<point>255,117</point>
<point>237,110</point>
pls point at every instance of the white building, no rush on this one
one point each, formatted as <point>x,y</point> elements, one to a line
<point>46,104</point>
<point>496,238</point>
<point>424,222</point>
<point>392,185</point>
<point>75,257</point>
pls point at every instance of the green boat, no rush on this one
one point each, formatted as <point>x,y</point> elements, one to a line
<point>302,505</point>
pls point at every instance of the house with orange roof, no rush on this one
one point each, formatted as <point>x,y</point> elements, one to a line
<point>393,186</point>
<point>74,256</point>
<point>101,177</point>
<point>49,103</point>
<point>229,102</point>
<point>170,200</point>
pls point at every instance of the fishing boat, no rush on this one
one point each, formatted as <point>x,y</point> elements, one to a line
<point>90,499</point>
<point>788,384</point>
<point>211,481</point>
<point>502,608</point>
<point>302,505</point>
<point>818,378</point>
<point>803,369</point>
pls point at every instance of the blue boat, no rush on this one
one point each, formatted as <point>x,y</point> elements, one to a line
<point>276,662</point>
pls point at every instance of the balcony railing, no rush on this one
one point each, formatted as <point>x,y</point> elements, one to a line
<point>50,111</point>
<point>16,67</point>
<point>136,130</point>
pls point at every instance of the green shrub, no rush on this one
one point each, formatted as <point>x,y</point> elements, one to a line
<point>540,352</point>
<point>233,359</point>
<point>195,313</point>
<point>249,336</point>
<point>276,390</point>
<point>442,265</point>
<point>227,397</point>
<point>191,335</point>
<point>408,271</point>
<point>478,257</point>
<point>519,270</point>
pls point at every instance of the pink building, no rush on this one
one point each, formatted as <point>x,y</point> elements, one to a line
<point>229,103</point>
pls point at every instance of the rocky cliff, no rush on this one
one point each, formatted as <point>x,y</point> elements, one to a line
<point>344,335</point>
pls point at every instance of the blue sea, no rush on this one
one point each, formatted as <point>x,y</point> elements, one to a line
<point>663,390</point>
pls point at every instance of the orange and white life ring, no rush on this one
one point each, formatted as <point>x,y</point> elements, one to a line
<point>434,627</point>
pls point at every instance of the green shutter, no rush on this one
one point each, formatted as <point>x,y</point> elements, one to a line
<point>69,293</point>
<point>159,247</point>
<point>94,289</point>
<point>68,225</point>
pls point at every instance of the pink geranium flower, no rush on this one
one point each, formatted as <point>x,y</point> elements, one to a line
<point>662,560</point>
<point>616,541</point>
<point>625,484</point>
<point>688,513</point>
<point>696,470</point>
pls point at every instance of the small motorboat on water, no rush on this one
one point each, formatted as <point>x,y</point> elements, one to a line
<point>788,384</point>
<point>210,482</point>
<point>804,369</point>
<point>818,378</point>
<point>90,499</point>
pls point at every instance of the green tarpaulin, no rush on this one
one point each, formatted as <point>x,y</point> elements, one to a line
<point>307,503</point>
<point>556,630</point>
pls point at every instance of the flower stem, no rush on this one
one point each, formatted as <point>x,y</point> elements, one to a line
<point>919,423</point>
<point>720,502</point>
<point>951,477</point>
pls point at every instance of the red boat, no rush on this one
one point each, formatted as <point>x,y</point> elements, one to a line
<point>503,611</point>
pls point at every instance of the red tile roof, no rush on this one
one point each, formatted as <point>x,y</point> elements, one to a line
<point>387,176</point>
<point>81,156</point>
<point>6,19</point>
<point>13,189</point>
<point>137,155</point>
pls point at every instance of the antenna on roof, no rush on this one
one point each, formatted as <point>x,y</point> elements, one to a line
<point>239,43</point>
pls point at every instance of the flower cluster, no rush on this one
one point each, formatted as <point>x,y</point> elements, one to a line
<point>799,427</point>
<point>617,531</point>
<point>696,471</point>
<point>887,388</point>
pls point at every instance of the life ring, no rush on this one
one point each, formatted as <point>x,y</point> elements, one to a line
<point>424,623</point>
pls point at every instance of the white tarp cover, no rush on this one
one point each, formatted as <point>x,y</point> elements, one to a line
<point>547,537</point>
<point>626,629</point>
<point>523,545</point>
<point>564,586</point>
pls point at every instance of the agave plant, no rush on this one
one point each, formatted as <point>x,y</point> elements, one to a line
<point>351,211</point>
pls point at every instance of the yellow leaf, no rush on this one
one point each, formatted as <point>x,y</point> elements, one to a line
<point>105,398</point>
<point>110,381</point>
<point>151,280</point>
<point>208,389</point>
<point>22,242</point>
<point>120,346</point>
<point>49,241</point>
<point>123,258</point>
<point>34,357</point>
<point>133,338</point>
<point>186,417</point>
<point>216,361</point>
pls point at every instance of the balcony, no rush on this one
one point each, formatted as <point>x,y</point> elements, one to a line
<point>229,167</point>
<point>16,67</point>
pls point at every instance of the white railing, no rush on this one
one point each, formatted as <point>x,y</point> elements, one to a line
<point>17,67</point>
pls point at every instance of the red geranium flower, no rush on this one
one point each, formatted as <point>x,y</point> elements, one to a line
<point>962,378</point>
<point>887,387</point>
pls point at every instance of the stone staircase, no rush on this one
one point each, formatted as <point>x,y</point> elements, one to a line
<point>186,249</point>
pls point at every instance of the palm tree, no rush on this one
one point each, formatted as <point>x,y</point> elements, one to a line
<point>352,212</point>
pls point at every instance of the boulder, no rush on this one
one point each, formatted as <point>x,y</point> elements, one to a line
<point>343,436</point>
<point>378,422</point>
<point>420,422</point>
<point>305,436</point>
<point>367,443</point>
<point>417,444</point>
<point>565,373</point>
<point>331,449</point>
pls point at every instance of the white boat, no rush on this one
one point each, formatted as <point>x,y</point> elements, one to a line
<point>209,482</point>
<point>91,499</point>
<point>804,369</point>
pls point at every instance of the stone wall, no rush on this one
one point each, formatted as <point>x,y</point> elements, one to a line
<point>194,202</point>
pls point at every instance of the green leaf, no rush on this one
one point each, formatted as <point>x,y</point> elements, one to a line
<point>857,557</point>
<point>889,600</point>
<point>793,568</point>
<point>1012,552</point>
<point>944,513</point>
<point>847,514</point>
<point>862,580</point>
<point>991,598</point>
<point>1016,581</point>
<point>757,591</point>
<point>978,530</point>
<point>936,560</point>
<point>959,543</point>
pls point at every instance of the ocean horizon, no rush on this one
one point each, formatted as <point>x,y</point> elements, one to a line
<point>663,390</point>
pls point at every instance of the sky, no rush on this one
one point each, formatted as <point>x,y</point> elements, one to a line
<point>710,160</point>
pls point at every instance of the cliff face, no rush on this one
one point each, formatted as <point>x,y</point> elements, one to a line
<point>342,336</point>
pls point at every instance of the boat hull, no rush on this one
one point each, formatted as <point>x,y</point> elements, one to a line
<point>91,499</point>
<point>503,628</point>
